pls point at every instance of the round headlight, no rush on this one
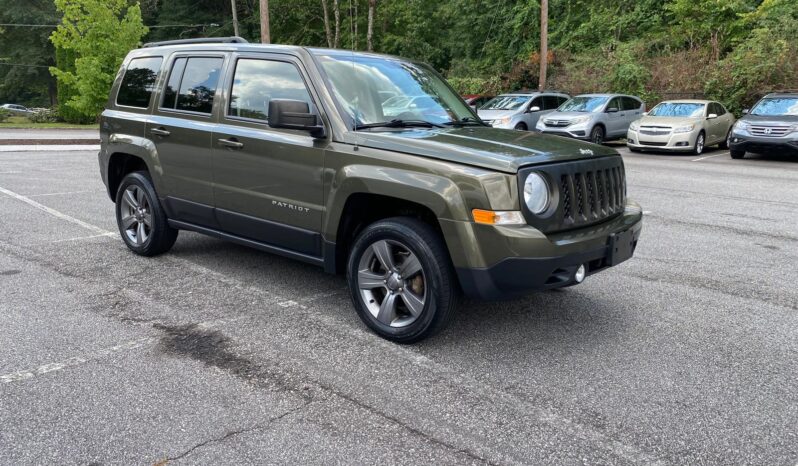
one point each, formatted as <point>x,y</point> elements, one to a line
<point>536,193</point>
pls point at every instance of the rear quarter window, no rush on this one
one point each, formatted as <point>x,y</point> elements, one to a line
<point>139,82</point>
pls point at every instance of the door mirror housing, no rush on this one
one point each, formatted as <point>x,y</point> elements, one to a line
<point>612,110</point>
<point>294,114</point>
<point>533,109</point>
<point>645,113</point>
<point>745,111</point>
<point>712,116</point>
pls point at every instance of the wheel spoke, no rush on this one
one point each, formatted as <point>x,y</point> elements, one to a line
<point>130,199</point>
<point>414,303</point>
<point>387,309</point>
<point>410,266</point>
<point>368,280</point>
<point>383,252</point>
<point>128,222</point>
<point>140,197</point>
<point>147,219</point>
<point>140,233</point>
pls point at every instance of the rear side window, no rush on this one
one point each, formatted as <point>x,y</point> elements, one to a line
<point>630,103</point>
<point>256,82</point>
<point>192,84</point>
<point>139,82</point>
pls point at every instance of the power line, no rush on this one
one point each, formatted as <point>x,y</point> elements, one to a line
<point>155,26</point>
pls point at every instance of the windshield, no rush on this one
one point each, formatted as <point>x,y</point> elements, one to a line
<point>505,102</point>
<point>677,109</point>
<point>776,106</point>
<point>418,93</point>
<point>583,104</point>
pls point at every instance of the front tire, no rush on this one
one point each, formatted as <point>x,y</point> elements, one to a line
<point>597,135</point>
<point>401,280</point>
<point>725,143</point>
<point>737,154</point>
<point>521,127</point>
<point>141,220</point>
<point>698,149</point>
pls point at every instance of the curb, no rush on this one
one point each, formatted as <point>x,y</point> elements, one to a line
<point>50,142</point>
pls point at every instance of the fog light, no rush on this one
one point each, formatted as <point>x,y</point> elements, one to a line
<point>579,276</point>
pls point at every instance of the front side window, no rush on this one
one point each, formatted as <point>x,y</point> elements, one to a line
<point>585,104</point>
<point>139,82</point>
<point>256,82</point>
<point>776,106</point>
<point>630,103</point>
<point>358,81</point>
<point>192,84</point>
<point>678,109</point>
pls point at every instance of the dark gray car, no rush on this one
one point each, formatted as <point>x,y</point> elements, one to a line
<point>771,125</point>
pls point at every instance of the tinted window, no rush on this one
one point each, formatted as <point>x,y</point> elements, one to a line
<point>139,82</point>
<point>170,94</point>
<point>630,103</point>
<point>536,102</point>
<point>198,77</point>
<point>550,102</point>
<point>256,82</point>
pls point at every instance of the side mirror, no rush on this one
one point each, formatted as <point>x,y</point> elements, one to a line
<point>612,110</point>
<point>745,111</point>
<point>712,116</point>
<point>294,114</point>
<point>645,113</point>
<point>533,109</point>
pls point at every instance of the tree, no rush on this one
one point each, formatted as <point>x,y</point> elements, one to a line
<point>544,42</point>
<point>327,29</point>
<point>99,33</point>
<point>370,28</point>
<point>337,15</point>
<point>26,53</point>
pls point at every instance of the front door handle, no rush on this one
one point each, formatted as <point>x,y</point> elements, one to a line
<point>231,143</point>
<point>160,132</point>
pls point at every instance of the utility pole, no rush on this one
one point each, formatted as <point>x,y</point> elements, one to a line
<point>265,35</point>
<point>544,42</point>
<point>235,17</point>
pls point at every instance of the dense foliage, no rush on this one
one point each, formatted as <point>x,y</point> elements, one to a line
<point>732,50</point>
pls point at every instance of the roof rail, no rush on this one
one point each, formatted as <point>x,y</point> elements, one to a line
<point>201,40</point>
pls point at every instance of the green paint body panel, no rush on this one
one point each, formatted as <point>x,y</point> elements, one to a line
<point>289,178</point>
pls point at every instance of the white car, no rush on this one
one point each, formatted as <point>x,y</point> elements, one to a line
<point>16,109</point>
<point>681,126</point>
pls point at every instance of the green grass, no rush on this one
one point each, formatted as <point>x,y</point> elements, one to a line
<point>20,122</point>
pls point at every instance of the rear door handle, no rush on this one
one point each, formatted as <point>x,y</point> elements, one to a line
<point>231,143</point>
<point>160,132</point>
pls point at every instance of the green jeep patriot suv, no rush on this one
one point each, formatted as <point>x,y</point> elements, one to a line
<point>293,151</point>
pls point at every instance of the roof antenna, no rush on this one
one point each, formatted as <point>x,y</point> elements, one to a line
<point>352,29</point>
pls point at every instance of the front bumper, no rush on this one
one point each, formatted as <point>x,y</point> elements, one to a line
<point>576,133</point>
<point>742,141</point>
<point>523,260</point>
<point>675,142</point>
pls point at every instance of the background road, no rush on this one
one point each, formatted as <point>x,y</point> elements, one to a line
<point>686,354</point>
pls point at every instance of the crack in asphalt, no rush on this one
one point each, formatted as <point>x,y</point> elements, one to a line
<point>233,433</point>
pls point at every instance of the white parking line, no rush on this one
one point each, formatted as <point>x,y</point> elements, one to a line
<point>53,212</point>
<point>66,193</point>
<point>709,157</point>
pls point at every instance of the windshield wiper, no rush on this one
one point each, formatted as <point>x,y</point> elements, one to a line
<point>466,121</point>
<point>400,124</point>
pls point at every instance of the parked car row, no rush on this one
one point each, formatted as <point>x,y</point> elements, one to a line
<point>687,125</point>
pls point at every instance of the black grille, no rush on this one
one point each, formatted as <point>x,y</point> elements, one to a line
<point>589,192</point>
<point>651,143</point>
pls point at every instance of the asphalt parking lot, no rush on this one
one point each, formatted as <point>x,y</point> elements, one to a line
<point>215,353</point>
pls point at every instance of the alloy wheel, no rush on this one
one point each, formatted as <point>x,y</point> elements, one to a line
<point>699,144</point>
<point>136,218</point>
<point>392,283</point>
<point>598,136</point>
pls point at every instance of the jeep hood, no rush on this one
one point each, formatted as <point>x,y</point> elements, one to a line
<point>495,149</point>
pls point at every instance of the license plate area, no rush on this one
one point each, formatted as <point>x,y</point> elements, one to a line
<point>622,246</point>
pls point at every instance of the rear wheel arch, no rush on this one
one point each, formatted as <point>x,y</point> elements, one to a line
<point>120,164</point>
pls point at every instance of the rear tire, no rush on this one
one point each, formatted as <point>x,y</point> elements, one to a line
<point>401,280</point>
<point>141,220</point>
